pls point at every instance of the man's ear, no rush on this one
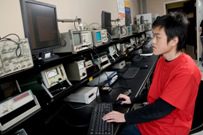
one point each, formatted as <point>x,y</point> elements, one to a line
<point>174,41</point>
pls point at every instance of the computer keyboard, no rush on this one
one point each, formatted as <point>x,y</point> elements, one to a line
<point>97,126</point>
<point>130,73</point>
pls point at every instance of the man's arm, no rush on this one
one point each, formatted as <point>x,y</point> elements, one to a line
<point>140,98</point>
<point>156,110</point>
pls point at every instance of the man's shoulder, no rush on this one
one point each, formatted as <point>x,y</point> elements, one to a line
<point>189,66</point>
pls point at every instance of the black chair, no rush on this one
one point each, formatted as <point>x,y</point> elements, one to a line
<point>197,124</point>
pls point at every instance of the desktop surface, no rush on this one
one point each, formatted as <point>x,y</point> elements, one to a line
<point>130,73</point>
<point>121,86</point>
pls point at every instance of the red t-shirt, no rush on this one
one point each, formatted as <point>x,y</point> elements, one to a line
<point>177,83</point>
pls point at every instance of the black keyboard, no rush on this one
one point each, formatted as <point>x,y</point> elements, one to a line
<point>130,73</point>
<point>97,126</point>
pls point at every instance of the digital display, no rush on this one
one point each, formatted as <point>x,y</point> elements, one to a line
<point>77,39</point>
<point>52,73</point>
<point>98,36</point>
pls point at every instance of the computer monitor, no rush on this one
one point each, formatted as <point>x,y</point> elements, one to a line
<point>40,27</point>
<point>106,21</point>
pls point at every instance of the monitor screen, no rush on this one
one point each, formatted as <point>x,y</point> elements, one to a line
<point>77,38</point>
<point>8,89</point>
<point>40,25</point>
<point>106,21</point>
<point>98,36</point>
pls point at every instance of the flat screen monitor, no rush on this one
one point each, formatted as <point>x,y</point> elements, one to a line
<point>40,27</point>
<point>106,21</point>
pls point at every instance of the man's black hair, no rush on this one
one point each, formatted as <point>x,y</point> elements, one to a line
<point>175,25</point>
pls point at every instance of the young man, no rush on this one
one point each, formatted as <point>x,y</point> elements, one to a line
<point>172,94</point>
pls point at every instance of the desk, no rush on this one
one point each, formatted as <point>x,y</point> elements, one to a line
<point>137,84</point>
<point>82,116</point>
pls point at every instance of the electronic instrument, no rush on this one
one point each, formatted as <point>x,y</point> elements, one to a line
<point>76,70</point>
<point>105,79</point>
<point>15,109</point>
<point>103,61</point>
<point>14,56</point>
<point>83,95</point>
<point>55,80</point>
<point>113,53</point>
<point>100,37</point>
<point>75,41</point>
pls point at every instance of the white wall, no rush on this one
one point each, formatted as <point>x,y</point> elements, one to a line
<point>11,21</point>
<point>88,10</point>
<point>134,7</point>
<point>155,6</point>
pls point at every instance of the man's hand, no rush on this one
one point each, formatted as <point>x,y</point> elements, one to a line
<point>114,116</point>
<point>125,99</point>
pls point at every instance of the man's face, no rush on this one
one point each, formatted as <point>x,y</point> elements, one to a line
<point>159,42</point>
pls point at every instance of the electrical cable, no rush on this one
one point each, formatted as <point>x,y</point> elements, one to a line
<point>94,23</point>
<point>11,35</point>
<point>99,62</point>
<point>124,31</point>
<point>75,25</point>
<point>18,50</point>
<point>109,36</point>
